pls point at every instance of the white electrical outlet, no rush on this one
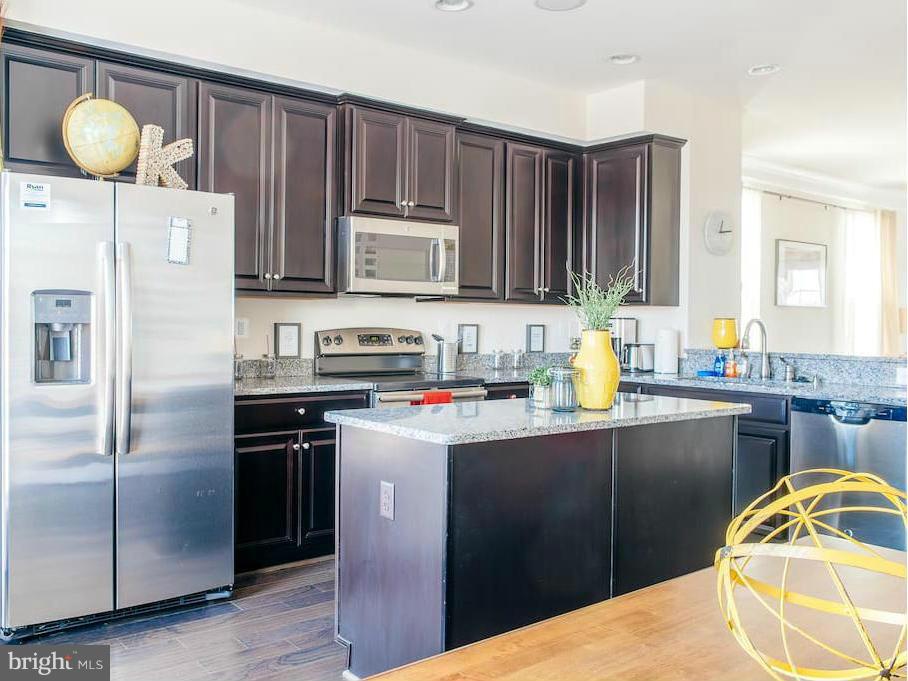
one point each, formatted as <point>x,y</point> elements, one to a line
<point>242,327</point>
<point>386,500</point>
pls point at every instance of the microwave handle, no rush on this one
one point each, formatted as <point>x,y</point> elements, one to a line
<point>442,260</point>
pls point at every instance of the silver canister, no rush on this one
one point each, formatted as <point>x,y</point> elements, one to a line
<point>564,395</point>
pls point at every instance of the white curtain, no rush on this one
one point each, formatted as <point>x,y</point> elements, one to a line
<point>862,309</point>
<point>751,253</point>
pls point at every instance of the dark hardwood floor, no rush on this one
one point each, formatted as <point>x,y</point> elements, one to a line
<point>278,625</point>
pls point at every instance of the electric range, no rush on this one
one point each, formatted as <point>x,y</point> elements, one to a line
<point>393,360</point>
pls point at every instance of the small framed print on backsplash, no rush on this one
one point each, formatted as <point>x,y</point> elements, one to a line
<point>535,337</point>
<point>469,338</point>
<point>287,340</point>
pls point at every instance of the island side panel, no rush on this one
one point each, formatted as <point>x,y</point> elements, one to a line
<point>529,531</point>
<point>390,590</point>
<point>673,498</point>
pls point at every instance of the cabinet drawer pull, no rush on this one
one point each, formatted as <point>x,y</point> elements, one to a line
<point>301,411</point>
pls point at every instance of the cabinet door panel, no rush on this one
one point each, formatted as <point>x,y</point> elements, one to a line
<point>558,224</point>
<point>524,223</point>
<point>235,156</point>
<point>318,488</point>
<point>38,86</point>
<point>480,181</point>
<point>761,460</point>
<point>618,214</point>
<point>304,198</point>
<point>378,162</point>
<point>267,493</point>
<point>430,170</point>
<point>153,97</point>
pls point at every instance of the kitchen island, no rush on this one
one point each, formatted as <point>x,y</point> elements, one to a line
<point>462,521</point>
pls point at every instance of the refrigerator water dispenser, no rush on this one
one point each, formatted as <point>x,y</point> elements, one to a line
<point>62,336</point>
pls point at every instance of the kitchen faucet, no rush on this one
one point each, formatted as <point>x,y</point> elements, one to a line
<point>765,369</point>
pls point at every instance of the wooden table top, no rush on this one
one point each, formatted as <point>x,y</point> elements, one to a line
<point>673,631</point>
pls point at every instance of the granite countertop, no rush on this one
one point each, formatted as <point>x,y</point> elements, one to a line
<point>456,424</point>
<point>877,394</point>
<point>308,383</point>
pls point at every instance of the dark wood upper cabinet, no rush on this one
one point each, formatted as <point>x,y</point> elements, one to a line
<point>524,182</point>
<point>153,97</point>
<point>430,170</point>
<point>480,188</point>
<point>38,85</point>
<point>558,224</point>
<point>377,172</point>
<point>399,166</point>
<point>235,156</point>
<point>540,222</point>
<point>632,196</point>
<point>305,203</point>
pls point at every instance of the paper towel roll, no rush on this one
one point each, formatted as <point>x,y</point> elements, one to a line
<point>667,342</point>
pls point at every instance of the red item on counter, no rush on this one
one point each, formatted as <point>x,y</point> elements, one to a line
<point>434,397</point>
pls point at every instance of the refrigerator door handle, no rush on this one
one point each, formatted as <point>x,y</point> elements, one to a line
<point>124,351</point>
<point>109,314</point>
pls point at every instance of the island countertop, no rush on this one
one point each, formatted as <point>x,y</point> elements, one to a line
<point>467,422</point>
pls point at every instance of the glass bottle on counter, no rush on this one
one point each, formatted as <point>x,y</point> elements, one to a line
<point>564,395</point>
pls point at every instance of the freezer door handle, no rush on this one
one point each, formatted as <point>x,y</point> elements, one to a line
<point>109,315</point>
<point>124,351</point>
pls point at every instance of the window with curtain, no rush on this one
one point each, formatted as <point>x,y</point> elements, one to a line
<point>861,308</point>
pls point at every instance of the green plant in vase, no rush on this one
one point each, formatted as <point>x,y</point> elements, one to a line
<point>598,369</point>
<point>541,381</point>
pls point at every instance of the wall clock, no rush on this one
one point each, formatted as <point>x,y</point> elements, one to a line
<point>719,233</point>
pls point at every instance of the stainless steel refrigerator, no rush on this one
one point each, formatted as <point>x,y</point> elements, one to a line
<point>116,398</point>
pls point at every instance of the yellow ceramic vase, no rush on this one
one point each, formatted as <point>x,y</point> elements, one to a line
<point>598,371</point>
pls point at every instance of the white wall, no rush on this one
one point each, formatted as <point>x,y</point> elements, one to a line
<point>502,327</point>
<point>803,329</point>
<point>241,36</point>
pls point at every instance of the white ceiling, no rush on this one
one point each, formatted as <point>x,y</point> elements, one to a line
<point>837,107</point>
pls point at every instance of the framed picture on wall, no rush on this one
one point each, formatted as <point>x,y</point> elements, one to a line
<point>800,274</point>
<point>287,340</point>
<point>535,338</point>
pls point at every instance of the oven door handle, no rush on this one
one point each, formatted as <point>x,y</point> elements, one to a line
<point>411,396</point>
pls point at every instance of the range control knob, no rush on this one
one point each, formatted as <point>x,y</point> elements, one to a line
<point>409,340</point>
<point>326,340</point>
<point>338,340</point>
<point>418,340</point>
<point>401,339</point>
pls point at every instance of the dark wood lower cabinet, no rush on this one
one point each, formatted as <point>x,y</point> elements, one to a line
<point>285,478</point>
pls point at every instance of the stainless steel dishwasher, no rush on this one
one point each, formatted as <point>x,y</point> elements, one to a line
<point>859,437</point>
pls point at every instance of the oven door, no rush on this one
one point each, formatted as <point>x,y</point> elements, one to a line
<point>394,256</point>
<point>405,398</point>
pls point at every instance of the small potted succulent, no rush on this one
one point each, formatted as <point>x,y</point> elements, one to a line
<point>542,387</point>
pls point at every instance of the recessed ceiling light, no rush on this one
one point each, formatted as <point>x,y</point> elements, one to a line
<point>763,70</point>
<point>453,5</point>
<point>559,5</point>
<point>624,59</point>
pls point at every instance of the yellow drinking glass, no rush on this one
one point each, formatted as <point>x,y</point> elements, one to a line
<point>725,333</point>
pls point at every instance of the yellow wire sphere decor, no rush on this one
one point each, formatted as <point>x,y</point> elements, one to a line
<point>807,600</point>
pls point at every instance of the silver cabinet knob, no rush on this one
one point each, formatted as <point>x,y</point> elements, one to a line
<point>295,447</point>
<point>546,289</point>
<point>301,411</point>
<point>267,275</point>
<point>276,277</point>
<point>411,203</point>
<point>306,445</point>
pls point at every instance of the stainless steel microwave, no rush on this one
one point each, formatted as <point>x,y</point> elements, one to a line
<point>378,255</point>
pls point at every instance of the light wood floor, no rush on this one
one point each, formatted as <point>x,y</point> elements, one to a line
<point>279,625</point>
